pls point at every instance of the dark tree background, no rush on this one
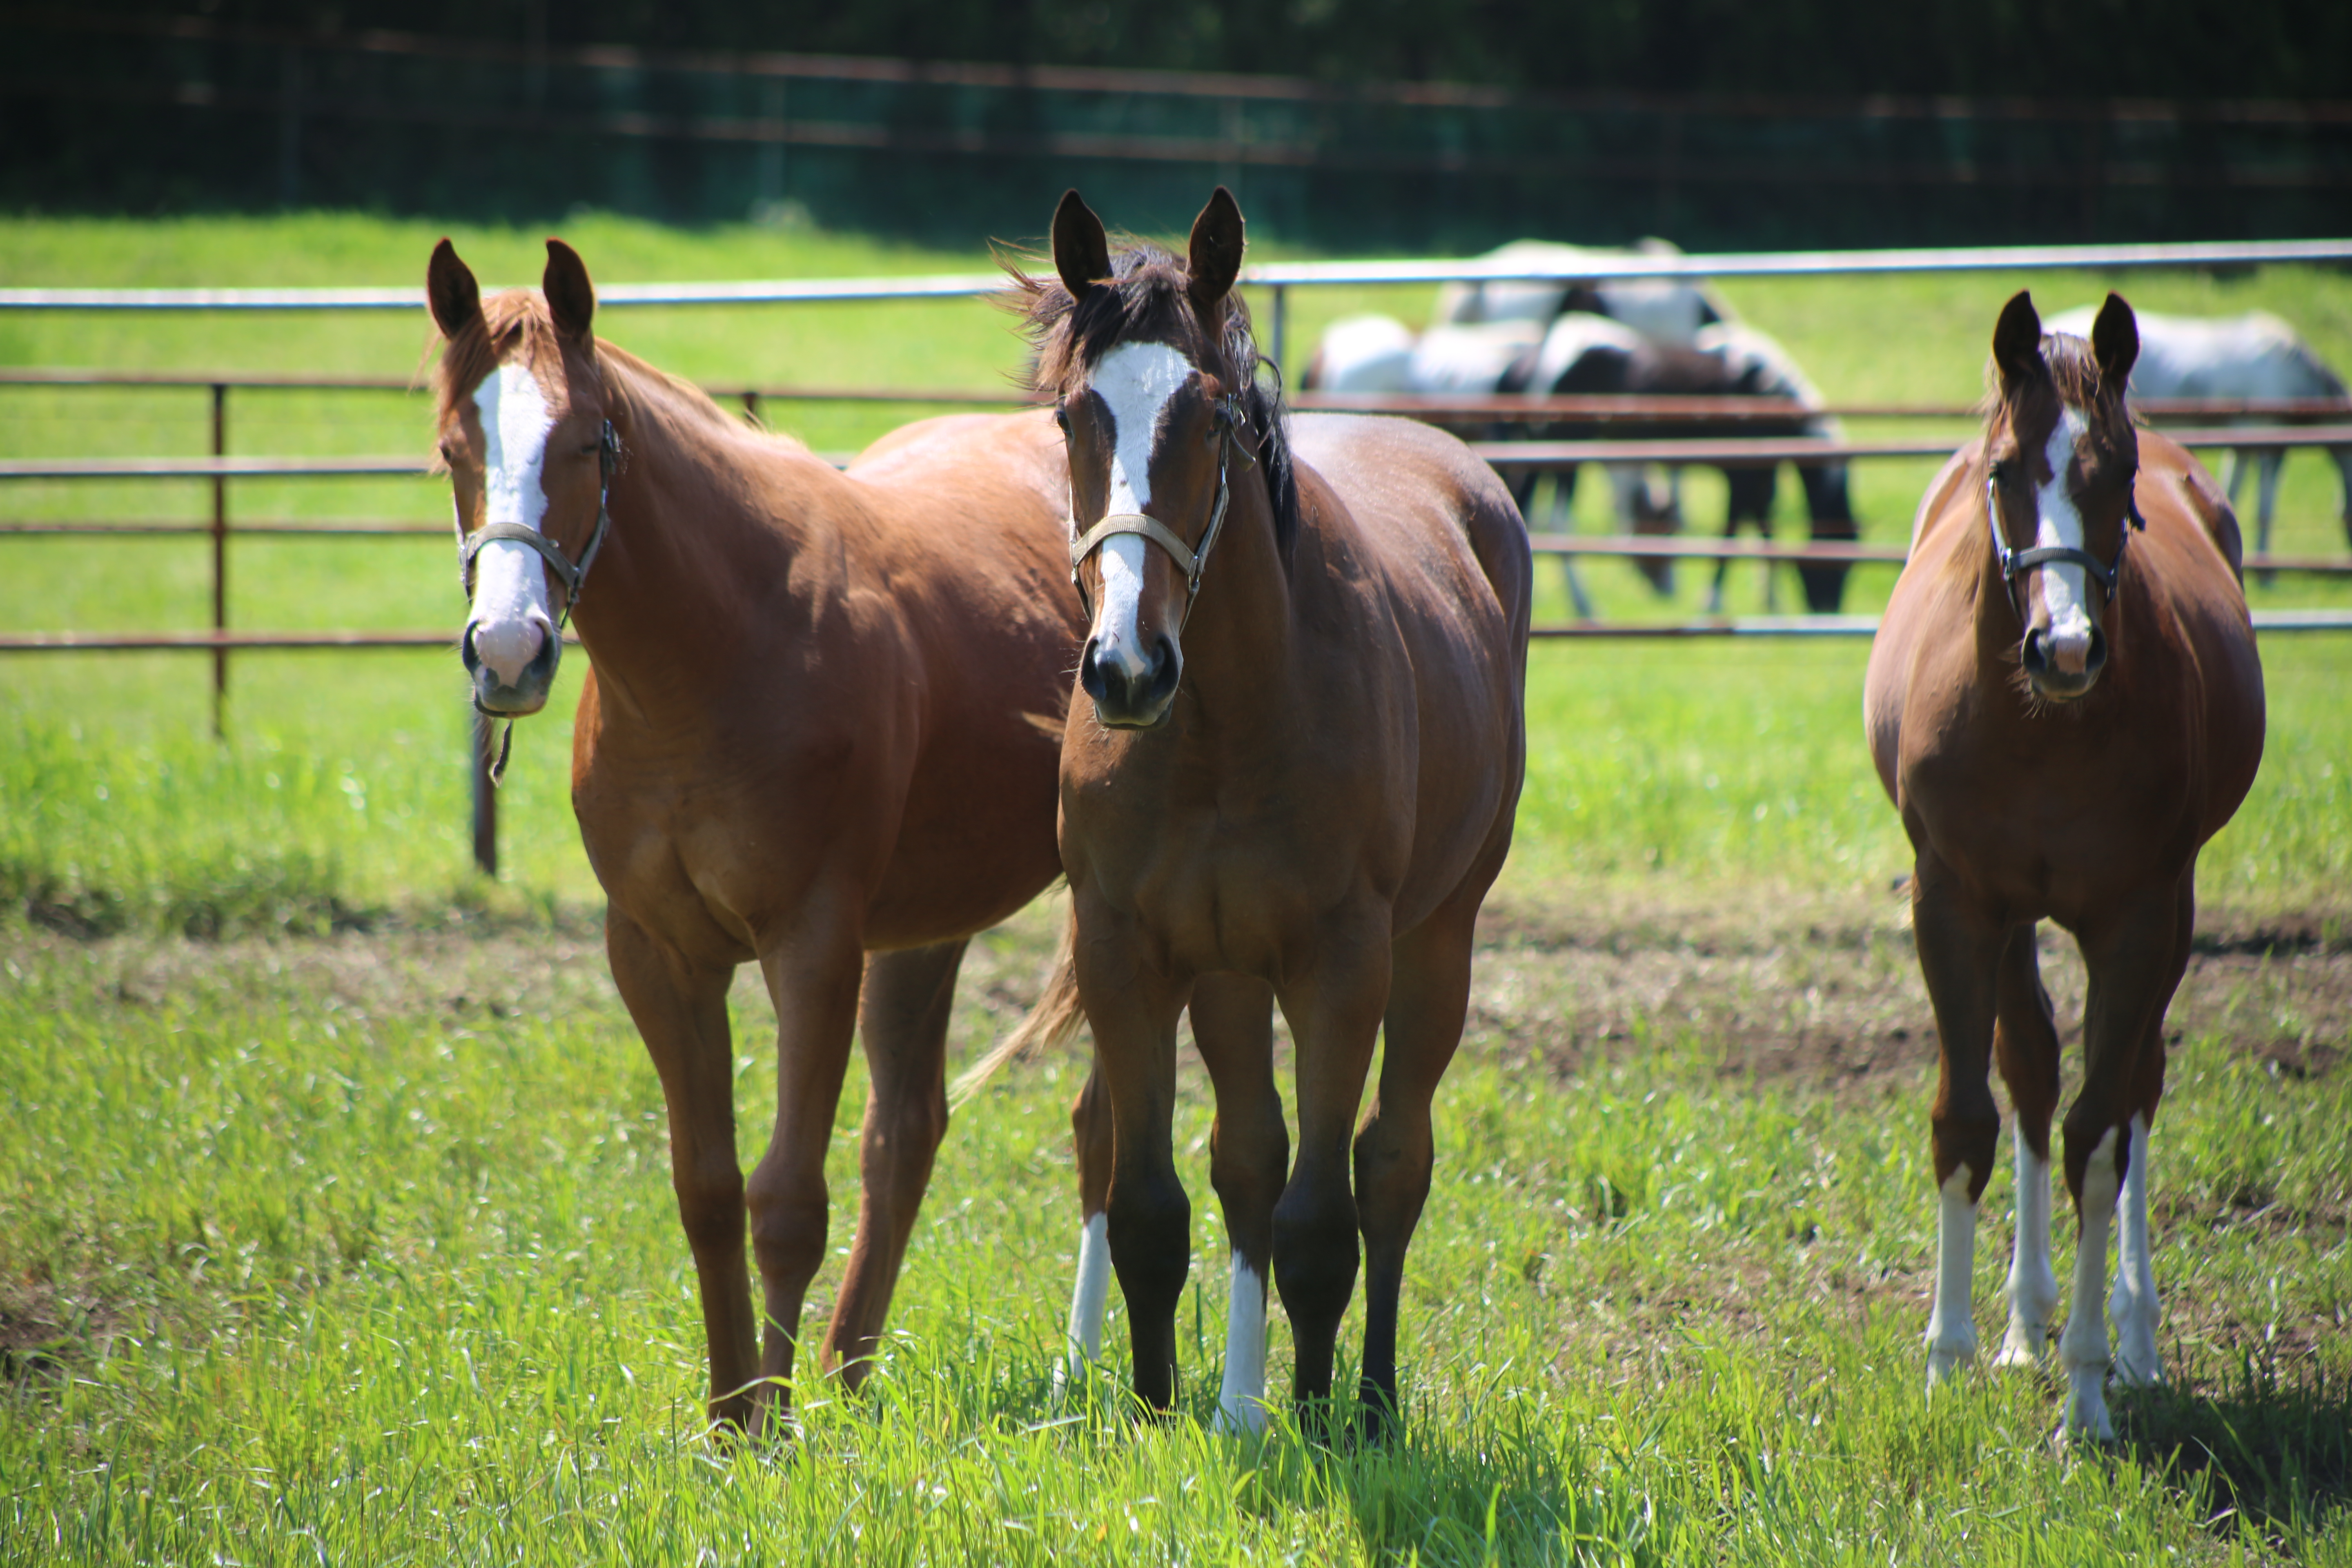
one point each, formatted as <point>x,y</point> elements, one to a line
<point>1422,125</point>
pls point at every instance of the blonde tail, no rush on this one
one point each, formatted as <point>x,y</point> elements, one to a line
<point>1051,1025</point>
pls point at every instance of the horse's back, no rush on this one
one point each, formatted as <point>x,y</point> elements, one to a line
<point>1423,500</point>
<point>2198,571</point>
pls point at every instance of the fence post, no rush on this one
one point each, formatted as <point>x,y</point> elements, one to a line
<point>486,794</point>
<point>752,408</point>
<point>220,560</point>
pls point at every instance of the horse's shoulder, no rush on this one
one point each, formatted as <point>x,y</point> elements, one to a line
<point>2170,475</point>
<point>1951,482</point>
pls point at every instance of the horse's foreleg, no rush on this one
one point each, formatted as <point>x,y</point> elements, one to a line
<point>812,980</point>
<point>1148,1220</point>
<point>1249,1148</point>
<point>1091,1134</point>
<point>2025,1046</point>
<point>2132,1305</point>
<point>680,1008</point>
<point>1429,994</point>
<point>1960,953</point>
<point>2132,965</point>
<point>903,1012</point>
<point>1334,1010</point>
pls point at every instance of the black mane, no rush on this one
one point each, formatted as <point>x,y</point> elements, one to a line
<point>1148,300</point>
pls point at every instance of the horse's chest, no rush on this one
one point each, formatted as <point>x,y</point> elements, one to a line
<point>1221,895</point>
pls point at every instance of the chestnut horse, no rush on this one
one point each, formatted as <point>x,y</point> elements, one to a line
<point>1290,773</point>
<point>2066,703</point>
<point>809,738</point>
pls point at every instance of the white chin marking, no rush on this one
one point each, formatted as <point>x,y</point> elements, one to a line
<point>2082,1345</point>
<point>509,617</point>
<point>1087,1299</point>
<point>1951,1324</point>
<point>2066,589</point>
<point>1241,1404</point>
<point>2033,1288</point>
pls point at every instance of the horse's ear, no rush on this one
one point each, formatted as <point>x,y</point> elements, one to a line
<point>2017,341</point>
<point>570,297</point>
<point>450,290</point>
<point>1217,244</point>
<point>1081,248</point>
<point>2115,341</point>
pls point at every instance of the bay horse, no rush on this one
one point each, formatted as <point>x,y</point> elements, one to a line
<point>1288,773</point>
<point>810,738</point>
<point>2065,703</point>
<point>2256,357</point>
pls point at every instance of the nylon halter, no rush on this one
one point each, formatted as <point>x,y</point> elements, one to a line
<point>2015,564</point>
<point>1188,560</point>
<point>572,574</point>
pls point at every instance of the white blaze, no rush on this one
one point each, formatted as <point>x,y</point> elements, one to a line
<point>510,620</point>
<point>1241,1404</point>
<point>2133,1305</point>
<point>2032,1286</point>
<point>1136,381</point>
<point>2082,1345</point>
<point>1951,1323</point>
<point>2065,586</point>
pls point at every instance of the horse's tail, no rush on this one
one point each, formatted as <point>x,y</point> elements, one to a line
<point>1051,1025</point>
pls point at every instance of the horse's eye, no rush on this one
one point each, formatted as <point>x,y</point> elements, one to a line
<point>1062,417</point>
<point>2004,470</point>
<point>589,450</point>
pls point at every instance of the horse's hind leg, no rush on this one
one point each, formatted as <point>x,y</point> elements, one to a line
<point>2135,958</point>
<point>1429,992</point>
<point>2025,1047</point>
<point>1334,1008</point>
<point>1090,1135</point>
<point>680,1008</point>
<point>1960,956</point>
<point>2132,1306</point>
<point>813,983</point>
<point>2268,467</point>
<point>904,1007</point>
<point>1249,1151</point>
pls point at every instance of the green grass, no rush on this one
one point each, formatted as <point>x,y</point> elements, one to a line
<point>361,1248</point>
<point>359,1268</point>
<point>341,792</point>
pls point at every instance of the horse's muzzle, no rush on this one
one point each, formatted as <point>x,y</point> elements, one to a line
<point>527,692</point>
<point>2051,681</point>
<point>1129,699</point>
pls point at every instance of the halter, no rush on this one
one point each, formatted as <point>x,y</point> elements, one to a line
<point>1231,420</point>
<point>2015,564</point>
<point>573,576</point>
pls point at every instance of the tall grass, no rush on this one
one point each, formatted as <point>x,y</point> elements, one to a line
<point>335,1265</point>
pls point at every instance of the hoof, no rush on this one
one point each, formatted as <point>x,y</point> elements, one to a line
<point>2021,1348</point>
<point>1945,1361</point>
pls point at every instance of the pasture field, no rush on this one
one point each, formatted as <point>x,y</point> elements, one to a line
<point>342,1234</point>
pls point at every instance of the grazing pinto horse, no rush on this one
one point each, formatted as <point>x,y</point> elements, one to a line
<point>1289,774</point>
<point>2256,357</point>
<point>2065,703</point>
<point>807,739</point>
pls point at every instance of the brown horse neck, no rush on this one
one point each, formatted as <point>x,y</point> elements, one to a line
<point>705,517</point>
<point>1237,642</point>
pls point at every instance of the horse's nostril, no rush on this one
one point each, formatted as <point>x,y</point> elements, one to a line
<point>2036,652</point>
<point>468,652</point>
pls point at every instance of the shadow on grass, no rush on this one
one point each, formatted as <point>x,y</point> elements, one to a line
<point>2260,1454</point>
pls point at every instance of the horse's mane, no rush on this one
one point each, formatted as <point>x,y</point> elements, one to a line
<point>2074,375</point>
<point>514,324</point>
<point>1147,300</point>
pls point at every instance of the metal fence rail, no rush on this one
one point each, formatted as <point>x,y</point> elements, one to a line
<point>2309,422</point>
